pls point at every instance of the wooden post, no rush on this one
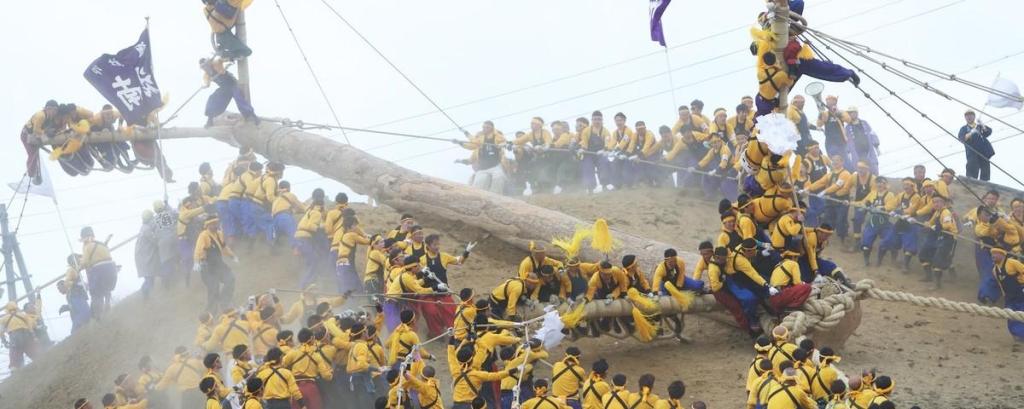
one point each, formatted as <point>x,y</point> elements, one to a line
<point>780,29</point>
<point>243,64</point>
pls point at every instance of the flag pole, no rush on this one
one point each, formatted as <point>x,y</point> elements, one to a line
<point>671,81</point>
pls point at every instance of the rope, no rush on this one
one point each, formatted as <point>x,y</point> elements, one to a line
<point>927,70</point>
<point>924,85</point>
<point>522,367</point>
<point>892,118</point>
<point>824,314</point>
<point>312,72</point>
<point>643,97</point>
<point>413,353</point>
<point>393,66</point>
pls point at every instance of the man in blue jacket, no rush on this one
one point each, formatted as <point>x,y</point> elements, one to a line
<point>979,150</point>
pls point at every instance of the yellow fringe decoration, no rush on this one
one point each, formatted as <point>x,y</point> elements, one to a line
<point>683,297</point>
<point>645,330</point>
<point>602,239</point>
<point>572,246</point>
<point>573,318</point>
<point>72,145</point>
<point>647,305</point>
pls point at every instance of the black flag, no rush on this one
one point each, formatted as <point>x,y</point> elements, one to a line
<point>126,80</point>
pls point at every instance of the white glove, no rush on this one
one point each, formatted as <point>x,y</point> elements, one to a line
<point>470,246</point>
<point>772,291</point>
<point>652,295</point>
<point>634,158</point>
<point>442,287</point>
<point>608,301</point>
<point>707,144</point>
<point>766,252</point>
<point>820,194</point>
<point>800,191</point>
<point>600,152</point>
<point>621,156</point>
<point>197,267</point>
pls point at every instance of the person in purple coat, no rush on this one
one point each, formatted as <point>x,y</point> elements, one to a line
<point>863,142</point>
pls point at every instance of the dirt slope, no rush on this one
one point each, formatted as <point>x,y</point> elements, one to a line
<point>938,359</point>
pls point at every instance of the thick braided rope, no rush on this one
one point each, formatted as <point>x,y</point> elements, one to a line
<point>825,313</point>
<point>948,305</point>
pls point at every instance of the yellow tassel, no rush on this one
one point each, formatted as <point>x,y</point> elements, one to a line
<point>647,305</point>
<point>574,317</point>
<point>572,246</point>
<point>684,298</point>
<point>602,240</point>
<point>56,153</point>
<point>645,330</point>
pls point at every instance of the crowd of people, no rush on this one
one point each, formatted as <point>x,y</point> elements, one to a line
<point>306,355</point>
<point>779,213</point>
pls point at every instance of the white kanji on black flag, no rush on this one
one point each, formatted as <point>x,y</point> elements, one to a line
<point>126,80</point>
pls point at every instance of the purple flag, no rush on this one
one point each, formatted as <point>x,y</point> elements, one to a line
<point>657,9</point>
<point>126,80</point>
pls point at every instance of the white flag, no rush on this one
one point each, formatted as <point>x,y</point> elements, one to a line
<point>45,188</point>
<point>1008,87</point>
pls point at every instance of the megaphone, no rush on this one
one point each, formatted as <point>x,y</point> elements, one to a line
<point>815,89</point>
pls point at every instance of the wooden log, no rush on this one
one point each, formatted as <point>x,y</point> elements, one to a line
<point>139,134</point>
<point>509,219</point>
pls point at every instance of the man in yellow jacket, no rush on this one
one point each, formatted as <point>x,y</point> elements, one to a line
<point>208,261</point>
<point>488,161</point>
<point>567,377</point>
<point>786,277</point>
<point>222,16</point>
<point>280,387</point>
<point>939,245</point>
<point>837,194</point>
<point>595,388</point>
<point>183,373</point>
<point>283,210</point>
<point>879,205</point>
<point>308,365</point>
<point>17,331</point>
<point>618,397</point>
<point>466,380</point>
<point>596,142</point>
<point>100,270</point>
<point>1009,276</point>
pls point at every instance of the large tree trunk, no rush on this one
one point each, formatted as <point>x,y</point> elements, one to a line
<point>511,220</point>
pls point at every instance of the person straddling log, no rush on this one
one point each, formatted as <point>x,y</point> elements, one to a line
<point>227,90</point>
<point>786,277</point>
<point>42,125</point>
<point>222,15</point>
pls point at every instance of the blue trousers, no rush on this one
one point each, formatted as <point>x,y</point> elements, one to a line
<point>751,186</point>
<point>748,300</point>
<point>905,240</point>
<point>255,219</point>
<point>78,301</point>
<point>347,278</point>
<point>824,70</point>
<point>838,215</point>
<point>825,268</point>
<point>872,232</point>
<point>594,171</point>
<point>815,206</point>
<point>228,222</point>
<point>284,226</point>
<point>988,288</point>
<point>227,89</point>
<point>688,284</point>
<point>312,259</point>
<point>687,179</point>
<point>1016,327</point>
<point>858,220</point>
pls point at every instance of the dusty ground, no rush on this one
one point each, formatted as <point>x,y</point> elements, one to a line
<point>938,359</point>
